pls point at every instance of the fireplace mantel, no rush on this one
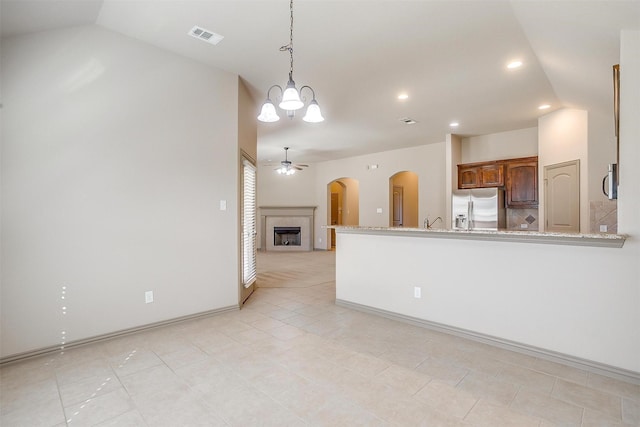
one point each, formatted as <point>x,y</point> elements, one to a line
<point>287,210</point>
<point>302,216</point>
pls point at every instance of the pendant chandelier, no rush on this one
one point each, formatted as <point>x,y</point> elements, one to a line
<point>291,100</point>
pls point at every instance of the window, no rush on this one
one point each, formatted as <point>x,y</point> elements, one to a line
<point>248,223</point>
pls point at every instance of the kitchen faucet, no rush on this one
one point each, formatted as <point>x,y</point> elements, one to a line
<point>428,224</point>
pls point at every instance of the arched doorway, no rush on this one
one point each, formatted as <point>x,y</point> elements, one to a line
<point>342,206</point>
<point>403,200</point>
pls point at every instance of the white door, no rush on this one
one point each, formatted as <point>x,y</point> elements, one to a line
<point>562,197</point>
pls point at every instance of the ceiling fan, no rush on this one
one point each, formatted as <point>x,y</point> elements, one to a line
<point>288,168</point>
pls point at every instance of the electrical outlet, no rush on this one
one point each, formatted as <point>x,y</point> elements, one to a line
<point>148,297</point>
<point>603,228</point>
<point>524,226</point>
<point>417,292</point>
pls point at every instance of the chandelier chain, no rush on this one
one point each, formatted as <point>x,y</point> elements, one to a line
<point>290,95</point>
<point>289,47</point>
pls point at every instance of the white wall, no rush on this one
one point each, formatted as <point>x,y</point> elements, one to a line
<point>577,301</point>
<point>563,136</point>
<point>502,145</point>
<point>115,155</point>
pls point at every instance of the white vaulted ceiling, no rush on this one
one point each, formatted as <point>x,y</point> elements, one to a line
<point>449,56</point>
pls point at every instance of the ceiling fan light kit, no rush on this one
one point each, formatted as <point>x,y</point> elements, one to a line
<point>286,167</point>
<point>290,96</point>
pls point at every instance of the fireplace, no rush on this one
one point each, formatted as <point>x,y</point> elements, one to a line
<point>286,228</point>
<point>286,236</point>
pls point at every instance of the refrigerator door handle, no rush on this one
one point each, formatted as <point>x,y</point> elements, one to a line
<point>469,215</point>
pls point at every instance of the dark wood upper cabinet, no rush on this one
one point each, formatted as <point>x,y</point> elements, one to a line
<point>522,184</point>
<point>492,175</point>
<point>481,175</point>
<point>519,177</point>
<point>468,177</point>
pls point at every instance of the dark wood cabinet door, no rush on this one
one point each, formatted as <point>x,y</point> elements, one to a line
<point>492,175</point>
<point>522,185</point>
<point>468,177</point>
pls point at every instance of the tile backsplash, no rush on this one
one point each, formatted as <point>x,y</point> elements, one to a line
<point>522,219</point>
<point>603,217</point>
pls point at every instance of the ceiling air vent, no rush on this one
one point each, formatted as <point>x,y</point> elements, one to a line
<point>408,121</point>
<point>205,35</point>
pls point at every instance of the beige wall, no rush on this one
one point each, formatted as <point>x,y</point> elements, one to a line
<point>502,145</point>
<point>338,189</point>
<point>602,149</point>
<point>563,137</point>
<point>247,125</point>
<point>453,157</point>
<point>351,215</point>
<point>275,189</point>
<point>409,183</point>
<point>425,161</point>
<point>367,189</point>
<point>115,157</point>
<point>629,189</point>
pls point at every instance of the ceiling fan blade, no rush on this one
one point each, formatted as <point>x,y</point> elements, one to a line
<point>303,166</point>
<point>296,167</point>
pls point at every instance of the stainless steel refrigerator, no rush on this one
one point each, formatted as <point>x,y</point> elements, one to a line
<point>478,209</point>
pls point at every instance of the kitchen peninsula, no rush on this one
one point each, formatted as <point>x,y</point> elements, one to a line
<point>603,240</point>
<point>545,294</point>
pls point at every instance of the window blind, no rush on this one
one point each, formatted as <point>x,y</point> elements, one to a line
<point>249,225</point>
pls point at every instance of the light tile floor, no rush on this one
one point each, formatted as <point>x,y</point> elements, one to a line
<point>292,357</point>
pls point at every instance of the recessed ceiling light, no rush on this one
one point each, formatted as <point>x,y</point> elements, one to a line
<point>403,96</point>
<point>544,107</point>
<point>514,64</point>
<point>454,124</point>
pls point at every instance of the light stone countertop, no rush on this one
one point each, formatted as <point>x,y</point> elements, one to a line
<point>601,240</point>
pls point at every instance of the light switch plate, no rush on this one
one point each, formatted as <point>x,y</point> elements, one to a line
<point>604,228</point>
<point>379,210</point>
<point>148,297</point>
<point>223,205</point>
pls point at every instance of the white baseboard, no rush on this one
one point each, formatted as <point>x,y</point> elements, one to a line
<point>104,337</point>
<point>576,362</point>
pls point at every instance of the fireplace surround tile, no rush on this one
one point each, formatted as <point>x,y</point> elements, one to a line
<point>286,216</point>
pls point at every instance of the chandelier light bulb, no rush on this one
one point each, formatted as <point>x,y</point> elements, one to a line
<point>313,114</point>
<point>268,113</point>
<point>291,98</point>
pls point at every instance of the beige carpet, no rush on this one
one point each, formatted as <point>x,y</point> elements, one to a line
<point>295,269</point>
